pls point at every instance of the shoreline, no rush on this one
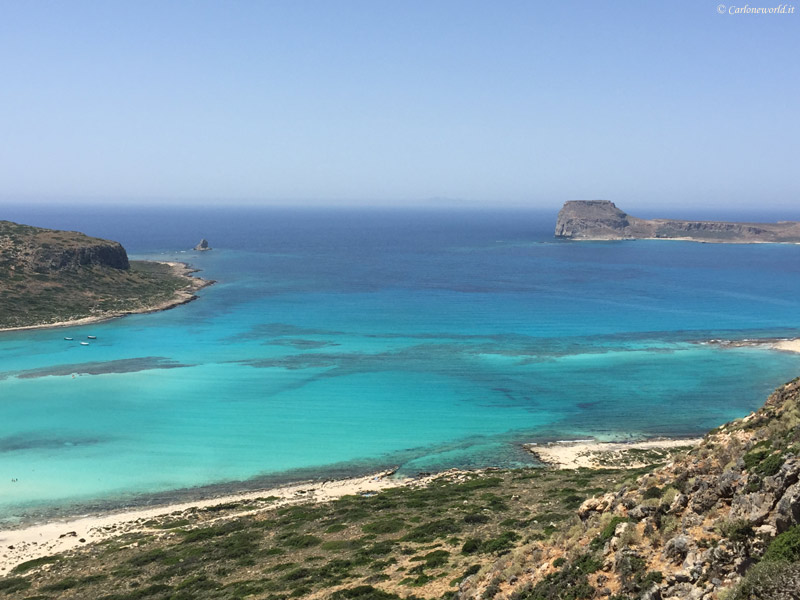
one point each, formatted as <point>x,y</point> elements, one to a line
<point>591,454</point>
<point>37,540</point>
<point>678,239</point>
<point>780,344</point>
<point>179,269</point>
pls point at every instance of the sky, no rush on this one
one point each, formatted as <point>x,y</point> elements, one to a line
<point>381,102</point>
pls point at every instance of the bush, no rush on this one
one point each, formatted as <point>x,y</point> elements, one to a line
<point>476,518</point>
<point>652,492</point>
<point>738,530</point>
<point>384,526</point>
<point>364,592</point>
<point>785,547</point>
<point>471,546</point>
<point>607,533</point>
<point>428,532</point>
<point>770,465</point>
<point>768,581</point>
<point>501,543</point>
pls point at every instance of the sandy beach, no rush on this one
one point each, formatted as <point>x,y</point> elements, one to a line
<point>599,455</point>
<point>787,345</point>
<point>63,535</point>
<point>781,344</point>
<point>179,269</point>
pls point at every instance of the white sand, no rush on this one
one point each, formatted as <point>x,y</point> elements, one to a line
<point>36,541</point>
<point>787,345</point>
<point>598,455</point>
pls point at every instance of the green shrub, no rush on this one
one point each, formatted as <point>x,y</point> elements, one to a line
<point>364,592</point>
<point>298,542</point>
<point>606,533</point>
<point>652,492</point>
<point>432,530</point>
<point>768,580</point>
<point>14,584</point>
<point>738,530</point>
<point>785,547</point>
<point>770,465</point>
<point>32,564</point>
<point>384,526</point>
<point>471,546</point>
<point>501,543</point>
<point>476,518</point>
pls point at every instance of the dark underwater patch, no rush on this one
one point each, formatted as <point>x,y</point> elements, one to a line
<point>14,443</point>
<point>124,365</point>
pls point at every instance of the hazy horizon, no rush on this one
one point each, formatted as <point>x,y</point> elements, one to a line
<point>453,104</point>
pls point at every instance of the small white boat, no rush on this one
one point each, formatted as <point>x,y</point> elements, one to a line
<point>84,343</point>
<point>68,339</point>
<point>92,337</point>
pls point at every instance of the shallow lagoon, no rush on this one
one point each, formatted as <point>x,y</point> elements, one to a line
<point>342,341</point>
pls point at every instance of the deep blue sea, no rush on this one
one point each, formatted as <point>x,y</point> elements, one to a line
<point>344,340</point>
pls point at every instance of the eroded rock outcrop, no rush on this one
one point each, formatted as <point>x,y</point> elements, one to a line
<point>35,249</point>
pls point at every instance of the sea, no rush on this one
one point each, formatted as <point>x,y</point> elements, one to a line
<point>342,341</point>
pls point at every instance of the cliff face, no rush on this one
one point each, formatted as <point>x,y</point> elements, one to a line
<point>34,249</point>
<point>49,276</point>
<point>602,220</point>
<point>723,521</point>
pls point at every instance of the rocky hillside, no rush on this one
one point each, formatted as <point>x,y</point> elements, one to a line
<point>26,249</point>
<point>49,276</point>
<point>602,220</point>
<point>720,523</point>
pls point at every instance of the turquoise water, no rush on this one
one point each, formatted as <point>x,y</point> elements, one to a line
<point>343,341</point>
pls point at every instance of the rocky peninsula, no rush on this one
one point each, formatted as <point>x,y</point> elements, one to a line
<point>52,278</point>
<point>602,220</point>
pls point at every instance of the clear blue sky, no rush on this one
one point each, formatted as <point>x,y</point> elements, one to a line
<point>391,102</point>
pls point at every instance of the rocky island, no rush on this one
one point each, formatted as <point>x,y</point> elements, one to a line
<point>50,277</point>
<point>602,220</point>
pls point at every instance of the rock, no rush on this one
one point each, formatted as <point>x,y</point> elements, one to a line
<point>202,245</point>
<point>752,507</point>
<point>787,511</point>
<point>641,511</point>
<point>677,548</point>
<point>594,504</point>
<point>726,485</point>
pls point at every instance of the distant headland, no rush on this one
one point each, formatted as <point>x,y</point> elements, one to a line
<point>602,220</point>
<point>51,278</point>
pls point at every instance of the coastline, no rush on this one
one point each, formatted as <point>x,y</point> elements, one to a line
<point>676,239</point>
<point>780,344</point>
<point>58,535</point>
<point>590,454</point>
<point>179,269</point>
<point>38,540</point>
